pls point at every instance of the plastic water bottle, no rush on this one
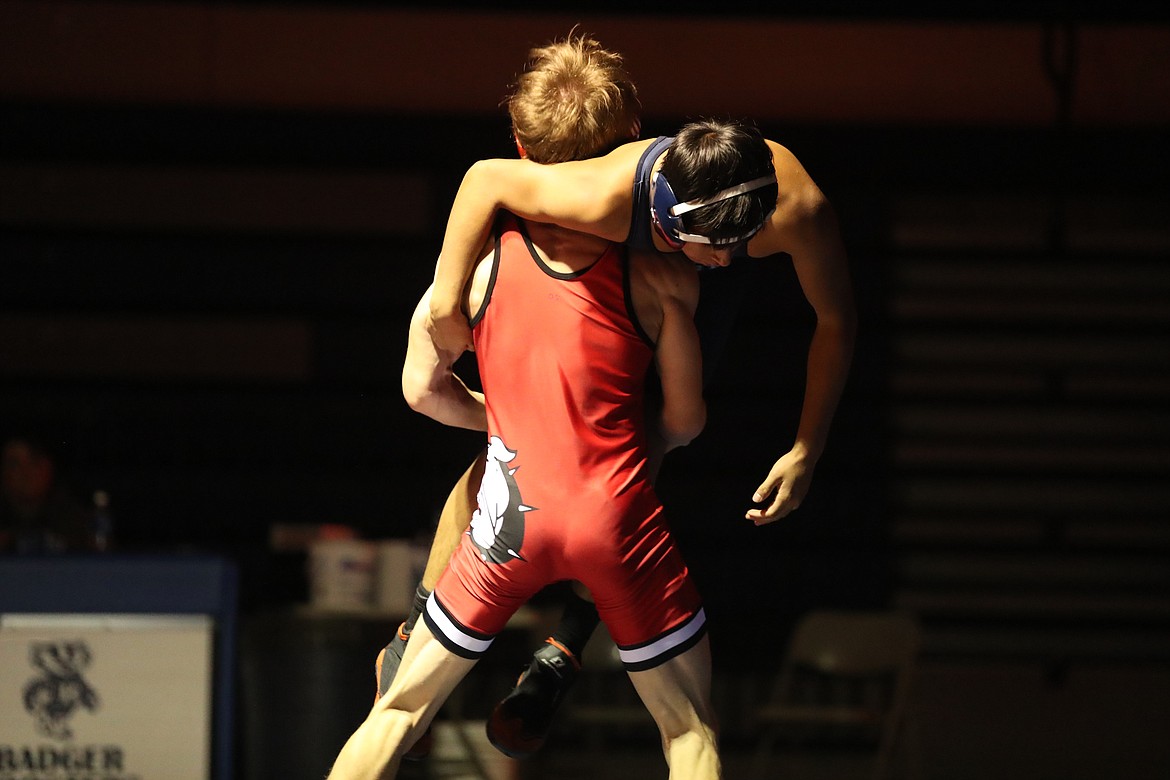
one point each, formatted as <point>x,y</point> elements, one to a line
<point>102,521</point>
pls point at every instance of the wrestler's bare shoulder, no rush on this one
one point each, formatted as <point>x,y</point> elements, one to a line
<point>621,164</point>
<point>799,196</point>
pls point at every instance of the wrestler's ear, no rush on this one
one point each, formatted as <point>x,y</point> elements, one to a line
<point>520,147</point>
<point>636,129</point>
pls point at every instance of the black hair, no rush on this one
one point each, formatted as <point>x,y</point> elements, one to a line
<point>711,155</point>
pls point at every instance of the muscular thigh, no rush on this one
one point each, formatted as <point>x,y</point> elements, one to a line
<point>678,692</point>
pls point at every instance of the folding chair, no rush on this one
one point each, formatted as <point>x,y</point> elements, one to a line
<point>844,684</point>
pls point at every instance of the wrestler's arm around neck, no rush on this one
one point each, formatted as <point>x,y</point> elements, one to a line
<point>593,196</point>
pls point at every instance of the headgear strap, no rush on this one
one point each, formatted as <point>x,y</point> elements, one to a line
<point>730,192</point>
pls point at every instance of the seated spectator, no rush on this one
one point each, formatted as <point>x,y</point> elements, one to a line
<point>38,514</point>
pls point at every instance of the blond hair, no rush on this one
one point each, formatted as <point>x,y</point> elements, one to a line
<point>573,100</point>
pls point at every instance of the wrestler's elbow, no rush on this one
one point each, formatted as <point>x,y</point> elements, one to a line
<point>483,182</point>
<point>420,400</point>
<point>419,392</point>
<point>682,426</point>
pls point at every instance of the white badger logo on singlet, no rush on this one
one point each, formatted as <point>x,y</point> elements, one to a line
<point>497,525</point>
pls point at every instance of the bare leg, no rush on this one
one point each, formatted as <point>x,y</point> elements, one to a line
<point>428,675</point>
<point>678,695</point>
<point>453,521</point>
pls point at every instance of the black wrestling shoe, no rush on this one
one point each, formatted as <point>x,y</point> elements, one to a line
<point>520,723</point>
<point>385,669</point>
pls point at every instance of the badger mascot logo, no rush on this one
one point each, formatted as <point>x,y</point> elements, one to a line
<point>52,697</point>
<point>497,526</point>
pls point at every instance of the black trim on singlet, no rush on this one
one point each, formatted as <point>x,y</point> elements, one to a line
<point>449,643</point>
<point>491,285</point>
<point>564,276</point>
<point>666,655</point>
<point>628,294</point>
<point>627,289</point>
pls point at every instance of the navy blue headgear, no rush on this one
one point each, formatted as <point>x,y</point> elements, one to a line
<point>666,210</point>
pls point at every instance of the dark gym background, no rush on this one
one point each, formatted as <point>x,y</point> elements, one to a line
<point>216,217</point>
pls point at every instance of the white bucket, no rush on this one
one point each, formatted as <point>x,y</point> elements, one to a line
<point>341,573</point>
